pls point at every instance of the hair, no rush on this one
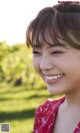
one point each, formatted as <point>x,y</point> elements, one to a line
<point>62,21</point>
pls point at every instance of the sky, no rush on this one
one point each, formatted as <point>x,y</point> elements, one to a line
<point>15,16</point>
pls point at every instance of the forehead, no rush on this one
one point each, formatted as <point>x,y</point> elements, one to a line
<point>42,37</point>
<point>47,38</point>
<point>70,40</point>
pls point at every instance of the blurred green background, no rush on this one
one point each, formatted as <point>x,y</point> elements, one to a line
<point>21,89</point>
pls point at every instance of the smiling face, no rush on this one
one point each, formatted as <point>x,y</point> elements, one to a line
<point>58,66</point>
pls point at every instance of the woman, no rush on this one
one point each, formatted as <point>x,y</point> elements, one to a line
<point>54,36</point>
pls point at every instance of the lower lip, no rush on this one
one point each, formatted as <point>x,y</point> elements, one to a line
<point>53,81</point>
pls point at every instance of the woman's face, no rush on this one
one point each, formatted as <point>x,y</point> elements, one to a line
<point>59,67</point>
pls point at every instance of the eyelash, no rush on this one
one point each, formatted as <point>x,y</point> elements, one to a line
<point>57,52</point>
<point>54,52</point>
<point>35,52</point>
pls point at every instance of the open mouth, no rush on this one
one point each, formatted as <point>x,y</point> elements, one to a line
<point>53,78</point>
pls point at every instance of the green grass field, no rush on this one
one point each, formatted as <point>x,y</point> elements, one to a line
<point>17,106</point>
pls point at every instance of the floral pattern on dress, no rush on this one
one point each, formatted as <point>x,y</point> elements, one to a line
<point>45,116</point>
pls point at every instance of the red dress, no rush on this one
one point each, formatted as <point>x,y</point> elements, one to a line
<point>45,116</point>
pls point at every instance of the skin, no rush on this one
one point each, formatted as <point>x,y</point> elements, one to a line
<point>56,60</point>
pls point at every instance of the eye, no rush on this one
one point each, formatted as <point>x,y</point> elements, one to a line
<point>57,52</point>
<point>36,52</point>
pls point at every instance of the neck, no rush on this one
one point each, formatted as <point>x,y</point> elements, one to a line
<point>72,100</point>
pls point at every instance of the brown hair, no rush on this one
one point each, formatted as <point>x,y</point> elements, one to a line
<point>61,21</point>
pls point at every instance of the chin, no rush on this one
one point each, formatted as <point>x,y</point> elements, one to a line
<point>55,91</point>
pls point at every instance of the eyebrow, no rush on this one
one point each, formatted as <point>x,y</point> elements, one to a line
<point>49,45</point>
<point>56,45</point>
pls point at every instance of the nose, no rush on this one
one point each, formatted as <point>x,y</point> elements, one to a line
<point>46,64</point>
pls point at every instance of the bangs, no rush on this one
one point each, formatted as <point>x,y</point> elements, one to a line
<point>58,26</point>
<point>36,33</point>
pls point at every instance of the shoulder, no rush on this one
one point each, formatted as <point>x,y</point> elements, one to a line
<point>44,113</point>
<point>49,105</point>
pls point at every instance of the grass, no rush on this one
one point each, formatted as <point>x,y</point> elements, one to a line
<point>17,106</point>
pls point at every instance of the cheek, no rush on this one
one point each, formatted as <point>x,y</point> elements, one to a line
<point>36,64</point>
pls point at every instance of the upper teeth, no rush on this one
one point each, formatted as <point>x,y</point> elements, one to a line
<point>53,77</point>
